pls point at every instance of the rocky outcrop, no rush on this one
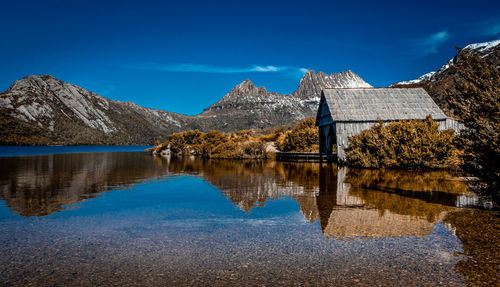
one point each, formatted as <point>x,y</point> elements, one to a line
<point>247,106</point>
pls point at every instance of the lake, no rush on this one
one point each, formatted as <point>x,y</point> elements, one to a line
<point>124,217</point>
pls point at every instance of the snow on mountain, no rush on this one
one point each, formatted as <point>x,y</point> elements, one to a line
<point>485,49</point>
<point>420,79</point>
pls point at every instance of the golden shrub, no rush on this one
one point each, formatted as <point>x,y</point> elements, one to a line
<point>404,144</point>
<point>302,138</point>
<point>245,144</point>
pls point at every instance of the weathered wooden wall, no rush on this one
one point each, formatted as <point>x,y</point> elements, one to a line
<point>451,124</point>
<point>346,130</point>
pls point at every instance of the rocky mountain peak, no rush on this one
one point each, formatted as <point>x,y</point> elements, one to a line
<point>245,86</point>
<point>246,91</point>
<point>41,109</point>
<point>483,47</point>
<point>33,82</point>
<point>312,83</point>
<point>246,83</point>
<point>258,107</point>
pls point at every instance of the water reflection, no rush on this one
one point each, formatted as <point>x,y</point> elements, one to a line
<point>41,185</point>
<point>343,204</point>
<point>347,203</point>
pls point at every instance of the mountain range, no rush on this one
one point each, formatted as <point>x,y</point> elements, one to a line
<point>42,110</point>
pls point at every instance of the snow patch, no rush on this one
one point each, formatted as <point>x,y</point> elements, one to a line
<point>480,47</point>
<point>483,47</point>
<point>424,77</point>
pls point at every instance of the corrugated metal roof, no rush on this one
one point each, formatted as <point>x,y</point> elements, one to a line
<point>387,104</point>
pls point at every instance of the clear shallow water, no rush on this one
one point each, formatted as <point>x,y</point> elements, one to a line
<point>129,218</point>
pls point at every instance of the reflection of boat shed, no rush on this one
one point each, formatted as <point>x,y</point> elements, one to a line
<point>356,216</point>
<point>359,222</point>
<point>346,112</point>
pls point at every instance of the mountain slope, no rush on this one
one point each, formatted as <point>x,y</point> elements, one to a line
<point>488,50</point>
<point>443,82</point>
<point>44,110</point>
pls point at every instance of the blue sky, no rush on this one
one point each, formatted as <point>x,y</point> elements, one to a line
<point>183,56</point>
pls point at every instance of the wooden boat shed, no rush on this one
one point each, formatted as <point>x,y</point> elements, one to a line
<point>346,112</point>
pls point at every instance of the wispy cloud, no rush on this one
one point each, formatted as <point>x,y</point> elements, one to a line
<point>221,69</point>
<point>490,29</point>
<point>430,44</point>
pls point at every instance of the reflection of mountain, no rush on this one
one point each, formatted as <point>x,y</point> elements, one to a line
<point>259,182</point>
<point>360,222</point>
<point>41,185</point>
<point>347,203</point>
<point>249,184</point>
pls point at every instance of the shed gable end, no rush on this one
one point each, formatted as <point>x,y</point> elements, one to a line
<point>323,116</point>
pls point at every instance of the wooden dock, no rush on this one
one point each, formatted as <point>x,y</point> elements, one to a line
<point>301,156</point>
